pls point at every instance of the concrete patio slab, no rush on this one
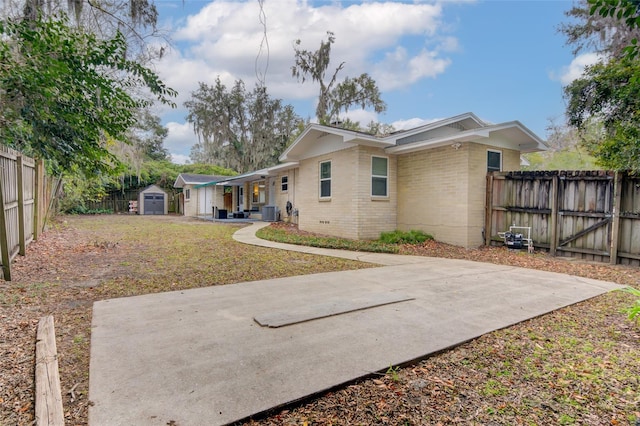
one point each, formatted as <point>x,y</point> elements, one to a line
<point>198,357</point>
<point>330,307</point>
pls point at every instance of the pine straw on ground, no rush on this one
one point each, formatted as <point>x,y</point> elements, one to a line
<point>577,365</point>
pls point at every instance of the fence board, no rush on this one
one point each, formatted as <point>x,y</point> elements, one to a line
<point>594,215</point>
<point>18,198</point>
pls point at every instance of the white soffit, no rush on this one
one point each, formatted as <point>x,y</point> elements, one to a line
<point>319,140</point>
<point>512,135</point>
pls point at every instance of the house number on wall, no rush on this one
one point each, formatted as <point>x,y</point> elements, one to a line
<point>324,222</point>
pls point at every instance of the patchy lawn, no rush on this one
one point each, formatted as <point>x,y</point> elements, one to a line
<point>578,365</point>
<point>81,259</point>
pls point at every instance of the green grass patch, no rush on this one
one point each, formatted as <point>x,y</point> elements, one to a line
<point>633,311</point>
<point>405,237</point>
<point>283,236</point>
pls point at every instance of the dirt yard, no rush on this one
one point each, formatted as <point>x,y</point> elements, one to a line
<point>579,365</point>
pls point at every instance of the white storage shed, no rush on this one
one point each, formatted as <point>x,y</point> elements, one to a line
<point>153,200</point>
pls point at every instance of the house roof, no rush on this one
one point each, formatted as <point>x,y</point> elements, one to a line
<point>195,179</point>
<point>257,174</point>
<point>318,139</point>
<point>511,135</point>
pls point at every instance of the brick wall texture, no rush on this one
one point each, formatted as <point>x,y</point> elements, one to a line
<point>440,191</point>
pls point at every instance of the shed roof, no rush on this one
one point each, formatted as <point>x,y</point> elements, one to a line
<point>153,188</point>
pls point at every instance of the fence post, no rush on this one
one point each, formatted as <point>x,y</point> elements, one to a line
<point>21,231</point>
<point>4,239</point>
<point>38,198</point>
<point>615,224</point>
<point>37,201</point>
<point>488,222</point>
<point>553,240</point>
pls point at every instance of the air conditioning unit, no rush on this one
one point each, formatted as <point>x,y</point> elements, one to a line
<point>270,213</point>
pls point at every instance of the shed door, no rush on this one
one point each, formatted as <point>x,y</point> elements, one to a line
<point>153,203</point>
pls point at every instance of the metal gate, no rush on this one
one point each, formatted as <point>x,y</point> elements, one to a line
<point>153,203</point>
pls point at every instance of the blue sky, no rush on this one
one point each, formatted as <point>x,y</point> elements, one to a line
<point>503,60</point>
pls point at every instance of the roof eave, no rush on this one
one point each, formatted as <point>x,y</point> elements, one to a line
<point>468,136</point>
<point>349,138</point>
<point>176,184</point>
<point>475,135</point>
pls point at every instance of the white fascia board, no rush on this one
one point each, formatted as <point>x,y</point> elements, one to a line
<point>466,136</point>
<point>348,138</point>
<point>246,177</point>
<point>481,135</point>
<point>536,143</point>
<point>179,183</point>
<point>439,123</point>
<point>281,167</point>
<point>285,154</point>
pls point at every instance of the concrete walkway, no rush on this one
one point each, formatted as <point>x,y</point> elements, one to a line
<point>247,235</point>
<point>200,357</point>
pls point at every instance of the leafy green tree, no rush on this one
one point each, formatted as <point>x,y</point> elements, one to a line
<point>604,26</point>
<point>380,129</point>
<point>238,129</point>
<point>608,94</point>
<point>135,19</point>
<point>205,169</point>
<point>626,13</point>
<point>63,92</point>
<point>334,97</point>
<point>148,135</point>
<point>566,152</point>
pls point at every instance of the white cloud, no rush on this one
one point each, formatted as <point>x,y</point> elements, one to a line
<point>361,116</point>
<point>575,70</point>
<point>398,44</point>
<point>399,69</point>
<point>412,123</point>
<point>224,39</point>
<point>180,139</point>
<point>180,159</point>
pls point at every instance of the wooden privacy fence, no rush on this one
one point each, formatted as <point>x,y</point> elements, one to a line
<point>24,201</point>
<point>118,201</point>
<point>593,215</point>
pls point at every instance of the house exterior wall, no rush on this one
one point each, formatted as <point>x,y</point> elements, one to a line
<point>202,200</point>
<point>191,204</point>
<point>351,211</point>
<point>216,199</point>
<point>442,191</point>
<point>209,196</point>
<point>281,197</point>
<point>432,193</point>
<point>375,214</point>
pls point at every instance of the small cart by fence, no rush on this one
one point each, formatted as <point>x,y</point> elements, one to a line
<point>517,237</point>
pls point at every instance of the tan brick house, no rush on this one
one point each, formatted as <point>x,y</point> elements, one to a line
<point>355,185</point>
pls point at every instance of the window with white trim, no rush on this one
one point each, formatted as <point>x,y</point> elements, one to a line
<point>379,176</point>
<point>325,179</point>
<point>284,183</point>
<point>187,194</point>
<point>258,192</point>
<point>494,161</point>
